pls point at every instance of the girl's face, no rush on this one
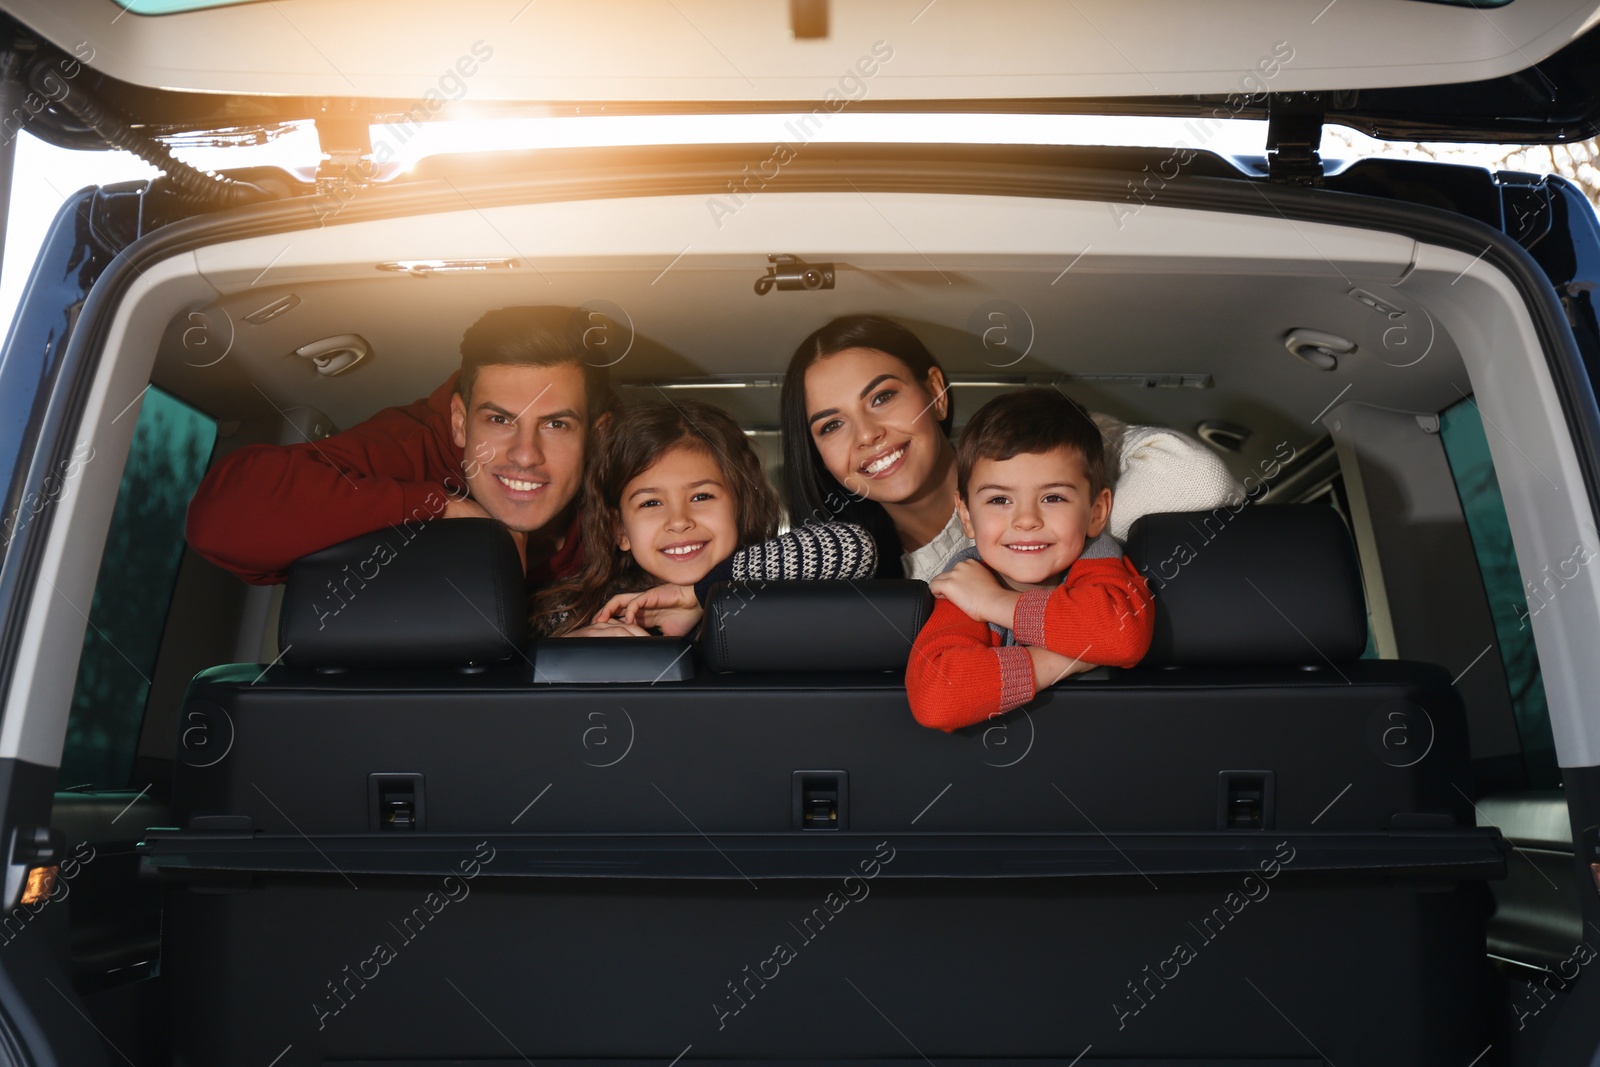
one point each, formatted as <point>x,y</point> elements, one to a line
<point>679,517</point>
<point>875,424</point>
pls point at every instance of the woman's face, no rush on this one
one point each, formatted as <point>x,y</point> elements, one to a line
<point>679,517</point>
<point>875,424</point>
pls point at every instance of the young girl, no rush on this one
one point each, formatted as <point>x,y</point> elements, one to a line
<point>676,501</point>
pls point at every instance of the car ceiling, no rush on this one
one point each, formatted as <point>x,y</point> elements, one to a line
<point>698,320</point>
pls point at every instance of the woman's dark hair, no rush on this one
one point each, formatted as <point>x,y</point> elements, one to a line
<point>636,435</point>
<point>811,494</point>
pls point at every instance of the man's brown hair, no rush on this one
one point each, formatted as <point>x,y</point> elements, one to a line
<point>539,336</point>
<point>1035,421</point>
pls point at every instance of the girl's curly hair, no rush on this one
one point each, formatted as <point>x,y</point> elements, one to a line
<point>635,437</point>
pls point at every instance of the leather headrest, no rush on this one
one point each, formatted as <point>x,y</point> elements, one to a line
<point>1257,585</point>
<point>783,626</point>
<point>445,593</point>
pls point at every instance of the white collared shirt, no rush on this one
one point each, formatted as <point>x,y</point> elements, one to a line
<point>931,559</point>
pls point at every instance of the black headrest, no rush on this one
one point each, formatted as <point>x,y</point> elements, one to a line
<point>782,626</point>
<point>443,594</point>
<point>1257,585</point>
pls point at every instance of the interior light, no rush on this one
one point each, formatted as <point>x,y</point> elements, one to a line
<point>424,267</point>
<point>1151,380</point>
<point>730,382</point>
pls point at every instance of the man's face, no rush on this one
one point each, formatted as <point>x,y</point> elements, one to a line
<point>1032,514</point>
<point>521,434</point>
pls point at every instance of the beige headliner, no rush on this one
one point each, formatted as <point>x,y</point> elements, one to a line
<point>1168,292</point>
<point>734,50</point>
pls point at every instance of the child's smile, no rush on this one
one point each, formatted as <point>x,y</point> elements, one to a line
<point>678,517</point>
<point>1031,515</point>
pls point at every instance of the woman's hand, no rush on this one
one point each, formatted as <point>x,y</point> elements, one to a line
<point>672,609</point>
<point>612,628</point>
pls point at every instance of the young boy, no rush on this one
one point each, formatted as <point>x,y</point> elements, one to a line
<point>1045,592</point>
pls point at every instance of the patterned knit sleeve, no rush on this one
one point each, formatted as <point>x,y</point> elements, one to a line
<point>811,553</point>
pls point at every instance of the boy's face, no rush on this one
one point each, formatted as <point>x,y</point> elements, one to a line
<point>1032,514</point>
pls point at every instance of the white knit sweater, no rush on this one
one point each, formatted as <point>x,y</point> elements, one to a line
<point>1157,469</point>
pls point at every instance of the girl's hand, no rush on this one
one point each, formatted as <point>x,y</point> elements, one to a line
<point>609,629</point>
<point>672,609</point>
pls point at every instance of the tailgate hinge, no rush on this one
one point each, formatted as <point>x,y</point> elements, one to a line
<point>1294,137</point>
<point>346,141</point>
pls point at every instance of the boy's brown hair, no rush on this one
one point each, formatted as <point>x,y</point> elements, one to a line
<point>1031,420</point>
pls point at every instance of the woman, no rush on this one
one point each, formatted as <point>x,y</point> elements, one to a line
<point>866,418</point>
<point>865,421</point>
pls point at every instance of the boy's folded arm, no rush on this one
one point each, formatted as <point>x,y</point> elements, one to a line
<point>1103,613</point>
<point>956,676</point>
<point>264,506</point>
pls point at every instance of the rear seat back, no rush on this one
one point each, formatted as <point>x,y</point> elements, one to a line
<point>644,844</point>
<point>1142,750</point>
<point>1261,585</point>
<point>433,594</point>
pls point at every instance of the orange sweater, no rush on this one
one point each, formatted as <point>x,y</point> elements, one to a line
<point>960,673</point>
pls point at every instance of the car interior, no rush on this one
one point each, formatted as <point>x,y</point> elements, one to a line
<point>1331,788</point>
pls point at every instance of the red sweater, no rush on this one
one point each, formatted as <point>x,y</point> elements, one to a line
<point>264,506</point>
<point>960,673</point>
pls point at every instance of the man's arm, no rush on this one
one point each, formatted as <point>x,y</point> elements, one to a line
<point>1102,614</point>
<point>264,506</point>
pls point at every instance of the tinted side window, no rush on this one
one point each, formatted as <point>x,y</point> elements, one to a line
<point>171,445</point>
<point>1467,449</point>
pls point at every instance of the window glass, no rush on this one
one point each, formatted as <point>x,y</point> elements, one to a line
<point>1467,449</point>
<point>171,446</point>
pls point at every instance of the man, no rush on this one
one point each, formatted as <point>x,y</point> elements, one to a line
<point>503,438</point>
